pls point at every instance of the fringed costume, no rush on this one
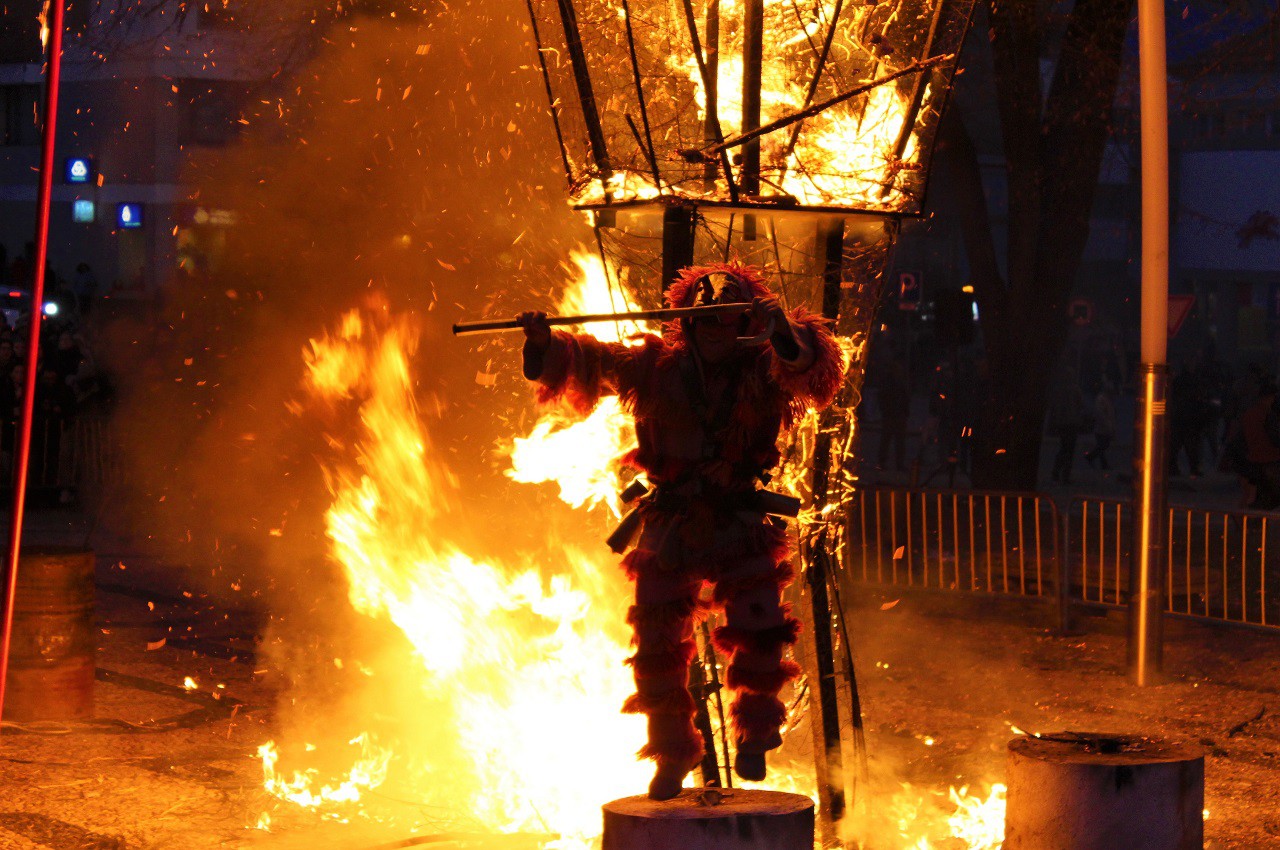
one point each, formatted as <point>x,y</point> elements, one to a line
<point>707,438</point>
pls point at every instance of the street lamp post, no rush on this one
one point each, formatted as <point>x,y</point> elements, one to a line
<point>1148,562</point>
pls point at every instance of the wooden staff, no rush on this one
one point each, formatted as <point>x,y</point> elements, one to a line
<point>667,314</point>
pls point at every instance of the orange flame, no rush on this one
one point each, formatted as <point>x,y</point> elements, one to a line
<point>520,673</point>
<point>844,155</point>
<point>924,820</point>
<point>581,456</point>
<point>369,772</point>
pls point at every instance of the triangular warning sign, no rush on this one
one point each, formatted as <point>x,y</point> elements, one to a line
<point>1179,308</point>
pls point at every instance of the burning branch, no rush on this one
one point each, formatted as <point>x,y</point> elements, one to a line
<point>647,145</point>
<point>817,76</point>
<point>586,93</point>
<point>553,105</point>
<point>709,86</point>
<point>788,120</point>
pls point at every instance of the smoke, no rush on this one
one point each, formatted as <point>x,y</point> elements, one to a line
<point>410,163</point>
<point>408,170</point>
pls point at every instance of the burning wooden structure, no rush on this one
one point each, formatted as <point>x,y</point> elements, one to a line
<point>794,136</point>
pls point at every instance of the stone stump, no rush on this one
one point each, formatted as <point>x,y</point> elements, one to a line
<point>711,819</point>
<point>1084,791</point>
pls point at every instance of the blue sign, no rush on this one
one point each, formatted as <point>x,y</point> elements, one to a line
<point>129,215</point>
<point>83,212</point>
<point>80,169</point>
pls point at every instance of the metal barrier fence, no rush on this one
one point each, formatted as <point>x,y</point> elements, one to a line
<point>973,541</point>
<point>65,452</point>
<point>1219,562</point>
<point>1019,544</point>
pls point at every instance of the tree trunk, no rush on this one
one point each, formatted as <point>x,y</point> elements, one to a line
<point>1053,157</point>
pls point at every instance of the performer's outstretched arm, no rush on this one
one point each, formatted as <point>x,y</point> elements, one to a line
<point>580,369</point>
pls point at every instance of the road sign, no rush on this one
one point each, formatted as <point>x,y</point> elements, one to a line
<point>1179,308</point>
<point>909,286</point>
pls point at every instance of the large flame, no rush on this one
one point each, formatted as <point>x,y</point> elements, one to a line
<point>518,678</point>
<point>848,154</point>
<point>520,673</point>
<point>580,456</point>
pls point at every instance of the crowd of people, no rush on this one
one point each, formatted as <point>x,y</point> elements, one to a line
<point>74,295</point>
<point>1217,420</point>
<point>69,381</point>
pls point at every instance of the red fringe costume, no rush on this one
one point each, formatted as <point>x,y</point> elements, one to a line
<point>697,530</point>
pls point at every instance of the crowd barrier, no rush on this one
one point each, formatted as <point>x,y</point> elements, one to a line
<point>66,452</point>
<point>1220,563</point>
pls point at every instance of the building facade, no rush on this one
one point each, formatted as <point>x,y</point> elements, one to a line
<point>145,89</point>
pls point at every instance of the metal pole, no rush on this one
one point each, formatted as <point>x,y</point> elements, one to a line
<point>1147,564</point>
<point>828,749</point>
<point>752,81</point>
<point>586,93</point>
<point>678,221</point>
<point>711,125</point>
<point>22,451</point>
<point>752,71</point>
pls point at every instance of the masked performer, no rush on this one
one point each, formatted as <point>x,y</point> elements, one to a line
<point>708,411</point>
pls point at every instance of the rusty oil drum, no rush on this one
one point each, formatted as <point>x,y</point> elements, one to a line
<point>51,658</point>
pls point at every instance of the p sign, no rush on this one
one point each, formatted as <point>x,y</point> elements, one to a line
<point>1081,311</point>
<point>909,286</point>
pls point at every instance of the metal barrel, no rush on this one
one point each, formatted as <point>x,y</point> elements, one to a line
<point>51,657</point>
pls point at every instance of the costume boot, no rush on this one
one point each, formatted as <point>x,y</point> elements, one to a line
<point>667,781</point>
<point>749,766</point>
<point>676,748</point>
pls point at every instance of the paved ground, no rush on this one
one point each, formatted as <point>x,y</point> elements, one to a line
<point>960,675</point>
<point>163,766</point>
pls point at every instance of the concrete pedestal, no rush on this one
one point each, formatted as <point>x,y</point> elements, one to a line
<point>740,820</point>
<point>1081,791</point>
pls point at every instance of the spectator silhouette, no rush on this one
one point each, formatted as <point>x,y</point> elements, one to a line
<point>66,358</point>
<point>20,269</point>
<point>1261,445</point>
<point>85,285</point>
<point>1104,425</point>
<point>1188,416</point>
<point>1066,420</point>
<point>894,397</point>
<point>54,404</point>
